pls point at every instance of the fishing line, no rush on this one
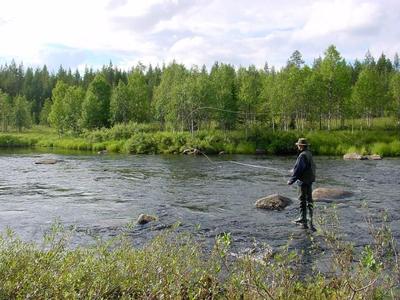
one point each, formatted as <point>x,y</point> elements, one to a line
<point>258,166</point>
<point>281,172</point>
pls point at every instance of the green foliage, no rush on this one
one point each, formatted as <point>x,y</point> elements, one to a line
<point>141,143</point>
<point>8,140</point>
<point>368,260</point>
<point>130,102</point>
<point>245,148</point>
<point>395,92</point>
<point>329,94</point>
<point>177,266</point>
<point>5,111</point>
<point>21,113</point>
<point>222,79</point>
<point>44,114</point>
<point>96,105</point>
<point>369,94</point>
<point>66,109</point>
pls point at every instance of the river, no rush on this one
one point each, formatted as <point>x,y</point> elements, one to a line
<point>100,194</point>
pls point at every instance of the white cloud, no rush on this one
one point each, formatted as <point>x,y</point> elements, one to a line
<point>75,33</point>
<point>332,17</point>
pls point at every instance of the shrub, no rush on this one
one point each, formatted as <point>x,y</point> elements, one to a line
<point>177,266</point>
<point>141,143</point>
<point>245,148</point>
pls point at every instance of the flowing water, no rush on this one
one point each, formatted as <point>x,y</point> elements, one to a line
<point>100,195</point>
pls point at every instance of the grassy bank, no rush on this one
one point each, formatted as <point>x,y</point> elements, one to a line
<point>174,266</point>
<point>139,139</point>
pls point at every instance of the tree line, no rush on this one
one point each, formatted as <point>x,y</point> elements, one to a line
<point>330,92</point>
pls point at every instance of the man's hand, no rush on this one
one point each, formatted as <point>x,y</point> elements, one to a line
<point>289,182</point>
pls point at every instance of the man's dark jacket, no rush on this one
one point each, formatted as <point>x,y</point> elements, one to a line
<point>304,169</point>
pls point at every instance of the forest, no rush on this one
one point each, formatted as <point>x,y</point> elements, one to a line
<point>331,93</point>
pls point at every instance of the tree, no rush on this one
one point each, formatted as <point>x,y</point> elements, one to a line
<point>294,89</point>
<point>130,102</point>
<point>296,60</point>
<point>224,95</point>
<point>66,109</point>
<point>167,94</point>
<point>138,90</point>
<point>336,76</point>
<point>120,108</point>
<point>395,92</point>
<point>96,105</point>
<point>369,94</point>
<point>45,112</point>
<point>396,62</point>
<point>5,111</point>
<point>194,100</point>
<point>57,115</point>
<point>314,92</point>
<point>21,113</point>
<point>249,89</point>
<point>73,100</point>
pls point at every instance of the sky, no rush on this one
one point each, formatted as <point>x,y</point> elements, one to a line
<point>79,33</point>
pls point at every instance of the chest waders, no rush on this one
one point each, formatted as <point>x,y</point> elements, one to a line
<point>305,191</point>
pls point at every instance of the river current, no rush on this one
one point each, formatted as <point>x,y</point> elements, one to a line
<point>99,195</point>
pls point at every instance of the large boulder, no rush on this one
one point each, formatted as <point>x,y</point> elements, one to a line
<point>144,219</point>
<point>330,193</point>
<point>273,202</point>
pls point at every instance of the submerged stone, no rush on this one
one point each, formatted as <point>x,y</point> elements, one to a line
<point>353,156</point>
<point>192,151</point>
<point>273,202</point>
<point>357,156</point>
<point>374,157</point>
<point>144,219</point>
<point>261,151</point>
<point>46,162</point>
<point>330,193</point>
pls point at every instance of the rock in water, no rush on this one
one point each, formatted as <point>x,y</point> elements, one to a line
<point>330,193</point>
<point>144,219</point>
<point>374,157</point>
<point>102,152</point>
<point>356,156</point>
<point>46,162</point>
<point>273,202</point>
<point>260,151</point>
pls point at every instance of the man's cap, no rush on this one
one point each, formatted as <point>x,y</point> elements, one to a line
<point>303,142</point>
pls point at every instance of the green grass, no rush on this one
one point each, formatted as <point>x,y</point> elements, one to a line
<point>176,266</point>
<point>145,139</point>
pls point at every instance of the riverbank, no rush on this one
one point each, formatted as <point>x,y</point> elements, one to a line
<point>125,139</point>
<point>174,266</point>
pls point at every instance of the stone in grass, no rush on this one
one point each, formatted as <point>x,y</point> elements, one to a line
<point>144,219</point>
<point>273,202</point>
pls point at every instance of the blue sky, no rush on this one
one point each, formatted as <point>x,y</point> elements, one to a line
<point>79,33</point>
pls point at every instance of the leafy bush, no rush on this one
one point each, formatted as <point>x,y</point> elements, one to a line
<point>16,141</point>
<point>176,266</point>
<point>141,143</point>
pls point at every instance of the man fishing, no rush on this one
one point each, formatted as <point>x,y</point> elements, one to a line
<point>304,175</point>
